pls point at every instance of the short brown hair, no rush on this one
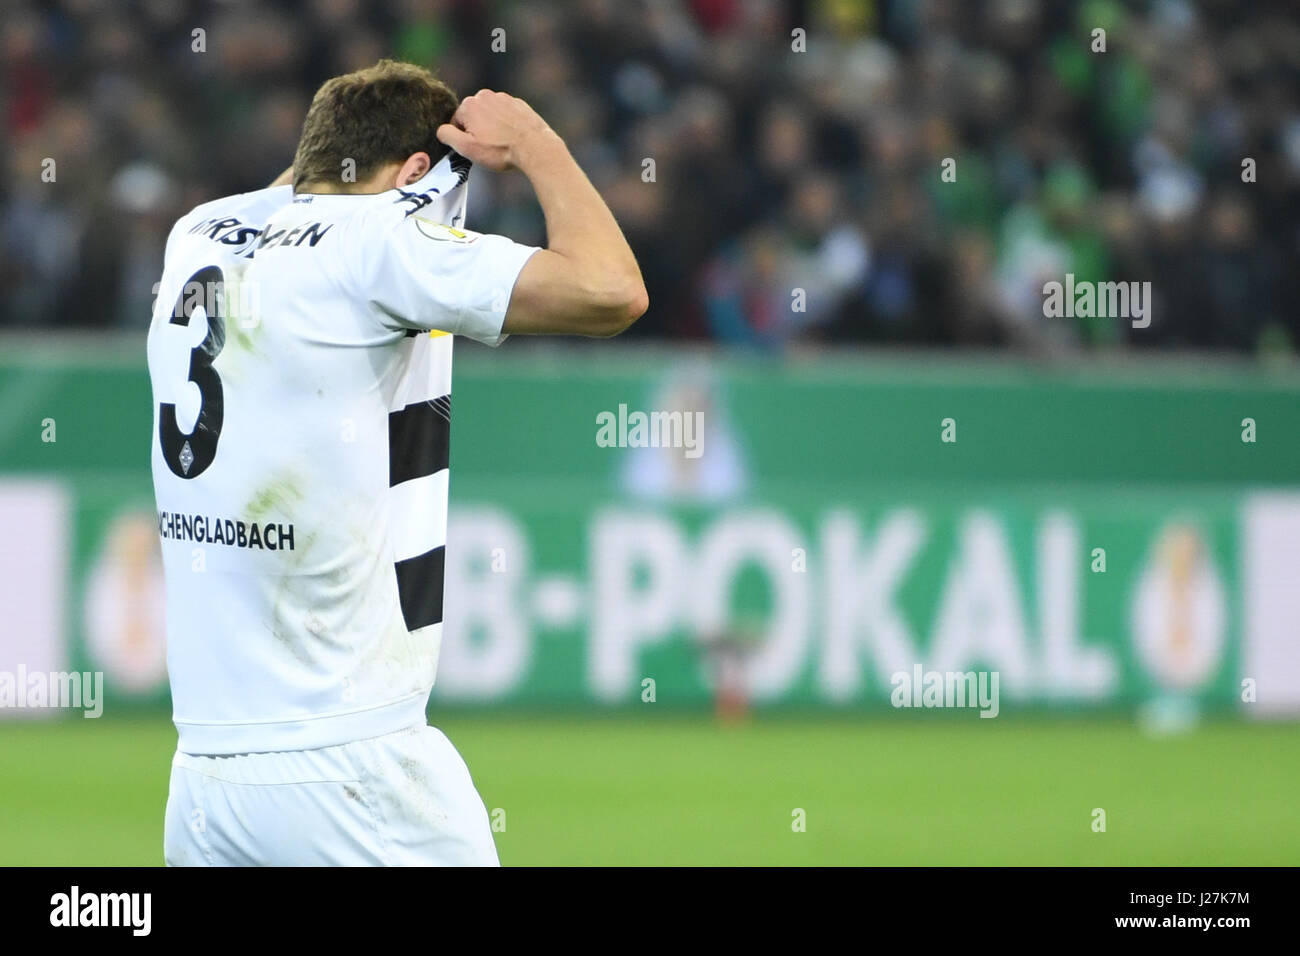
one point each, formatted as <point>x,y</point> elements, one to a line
<point>378,115</point>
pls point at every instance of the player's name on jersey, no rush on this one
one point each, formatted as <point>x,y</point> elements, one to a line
<point>244,237</point>
<point>231,532</point>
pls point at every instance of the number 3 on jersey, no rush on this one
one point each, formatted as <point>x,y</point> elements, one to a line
<point>189,455</point>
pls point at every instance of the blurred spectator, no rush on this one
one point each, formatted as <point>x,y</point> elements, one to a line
<point>777,190</point>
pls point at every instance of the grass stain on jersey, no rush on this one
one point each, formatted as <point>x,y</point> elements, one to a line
<point>287,636</point>
<point>241,338</point>
<point>417,794</point>
<point>243,318</point>
<point>277,497</point>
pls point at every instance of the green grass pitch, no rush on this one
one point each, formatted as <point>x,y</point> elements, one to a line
<point>684,790</point>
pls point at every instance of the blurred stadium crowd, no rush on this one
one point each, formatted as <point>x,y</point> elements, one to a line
<point>772,169</point>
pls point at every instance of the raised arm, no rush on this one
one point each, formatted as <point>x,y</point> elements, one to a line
<point>586,281</point>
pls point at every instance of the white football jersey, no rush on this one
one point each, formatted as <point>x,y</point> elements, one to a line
<point>300,357</point>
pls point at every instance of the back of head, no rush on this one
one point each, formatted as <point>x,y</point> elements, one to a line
<point>361,121</point>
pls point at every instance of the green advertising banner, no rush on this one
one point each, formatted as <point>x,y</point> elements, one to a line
<point>835,534</point>
<point>1073,597</point>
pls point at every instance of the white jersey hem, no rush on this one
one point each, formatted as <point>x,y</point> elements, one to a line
<point>309,733</point>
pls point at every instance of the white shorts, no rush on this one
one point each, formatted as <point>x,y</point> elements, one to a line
<point>404,799</point>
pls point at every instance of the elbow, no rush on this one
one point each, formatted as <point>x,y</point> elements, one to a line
<point>633,306</point>
<point>620,309</point>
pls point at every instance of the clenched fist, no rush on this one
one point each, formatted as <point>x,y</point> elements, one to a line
<point>494,129</point>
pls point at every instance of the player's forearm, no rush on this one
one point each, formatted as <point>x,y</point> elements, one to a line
<point>581,229</point>
<point>284,179</point>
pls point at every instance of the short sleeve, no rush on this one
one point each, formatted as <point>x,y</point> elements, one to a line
<point>422,275</point>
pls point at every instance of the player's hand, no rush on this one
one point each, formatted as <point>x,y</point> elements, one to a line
<point>492,129</point>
